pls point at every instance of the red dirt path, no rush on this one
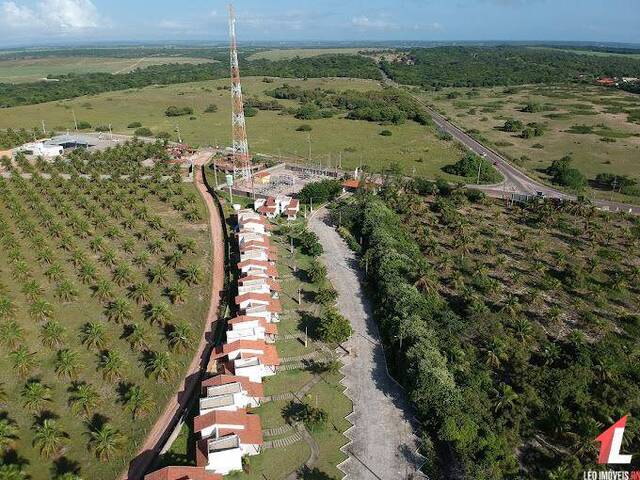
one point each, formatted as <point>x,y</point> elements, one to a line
<point>173,410</point>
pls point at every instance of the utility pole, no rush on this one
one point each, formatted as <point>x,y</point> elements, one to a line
<point>44,130</point>
<point>75,121</point>
<point>309,141</point>
<point>479,165</point>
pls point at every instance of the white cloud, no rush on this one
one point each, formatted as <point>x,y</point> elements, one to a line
<point>56,16</point>
<point>366,23</point>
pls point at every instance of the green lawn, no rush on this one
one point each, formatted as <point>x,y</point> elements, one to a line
<point>35,69</point>
<point>613,146</point>
<point>414,146</point>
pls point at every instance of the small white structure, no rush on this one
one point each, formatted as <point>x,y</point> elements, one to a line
<point>41,149</point>
<point>246,328</point>
<point>266,267</point>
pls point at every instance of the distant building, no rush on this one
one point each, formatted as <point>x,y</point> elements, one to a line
<point>606,82</point>
<point>41,149</point>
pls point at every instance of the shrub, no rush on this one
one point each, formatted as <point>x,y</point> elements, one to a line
<point>305,127</point>
<point>134,125</point>
<point>211,108</point>
<point>512,125</point>
<point>562,173</point>
<point>386,133</point>
<point>309,244</point>
<point>143,132</point>
<point>83,125</point>
<point>173,111</point>
<point>334,328</point>
<point>468,167</point>
<point>250,111</point>
<point>102,128</point>
<point>320,192</point>
<point>163,135</point>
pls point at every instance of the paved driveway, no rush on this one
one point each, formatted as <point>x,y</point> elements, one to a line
<point>383,444</point>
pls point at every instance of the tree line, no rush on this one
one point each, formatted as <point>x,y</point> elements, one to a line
<point>75,85</point>
<point>504,65</point>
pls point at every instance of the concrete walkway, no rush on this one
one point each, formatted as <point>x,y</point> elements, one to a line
<point>383,444</point>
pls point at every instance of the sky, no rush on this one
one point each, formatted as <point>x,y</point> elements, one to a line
<point>38,22</point>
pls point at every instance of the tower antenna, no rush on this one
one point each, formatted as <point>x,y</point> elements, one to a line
<point>240,147</point>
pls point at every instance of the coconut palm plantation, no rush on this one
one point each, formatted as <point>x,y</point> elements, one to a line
<point>103,289</point>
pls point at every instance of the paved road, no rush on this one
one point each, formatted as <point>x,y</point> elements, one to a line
<point>176,406</point>
<point>383,443</point>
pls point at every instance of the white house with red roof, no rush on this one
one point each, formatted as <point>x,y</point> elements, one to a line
<point>293,209</point>
<point>251,328</point>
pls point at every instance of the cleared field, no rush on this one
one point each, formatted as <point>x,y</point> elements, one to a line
<point>590,52</point>
<point>32,70</point>
<point>284,53</point>
<point>415,147</point>
<point>611,143</point>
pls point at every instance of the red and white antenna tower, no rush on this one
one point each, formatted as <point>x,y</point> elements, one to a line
<point>241,158</point>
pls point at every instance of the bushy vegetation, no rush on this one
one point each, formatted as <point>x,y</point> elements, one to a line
<point>470,165</point>
<point>173,111</point>
<point>10,138</point>
<point>504,65</point>
<point>387,106</point>
<point>75,85</point>
<point>320,192</point>
<point>515,362</point>
<point>562,173</point>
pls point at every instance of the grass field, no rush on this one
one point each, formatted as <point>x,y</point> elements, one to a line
<point>285,53</point>
<point>32,70</point>
<point>359,142</point>
<point>29,277</point>
<point>613,145</point>
<point>590,52</point>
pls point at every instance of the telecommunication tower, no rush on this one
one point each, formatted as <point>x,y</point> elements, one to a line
<point>240,147</point>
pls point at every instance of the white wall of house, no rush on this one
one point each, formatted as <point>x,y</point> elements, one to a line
<point>225,461</point>
<point>245,334</point>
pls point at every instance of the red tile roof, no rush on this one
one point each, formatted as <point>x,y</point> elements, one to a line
<point>270,328</point>
<point>351,183</point>
<point>262,174</point>
<point>253,388</point>
<point>271,201</point>
<point>267,353</point>
<point>251,434</point>
<point>273,284</point>
<point>258,297</point>
<point>217,417</point>
<point>183,473</point>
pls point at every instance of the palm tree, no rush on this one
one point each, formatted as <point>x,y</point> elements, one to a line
<point>51,334</point>
<point>3,394</point>
<point>137,336</point>
<point>41,310</point>
<point>192,274</point>
<point>175,259</point>
<point>159,274</point>
<point>48,438</point>
<point>137,401</point>
<point>88,273</point>
<point>158,313</point>
<point>96,244</point>
<point>66,291</point>
<point>156,246</point>
<point>111,364</point>
<point>188,245</point>
<point>44,256</point>
<point>122,274</point>
<point>177,293</point>
<point>170,234</point>
<point>141,260</point>
<point>11,333</point>
<point>12,471</point>
<point>8,434</point>
<point>512,306</point>
<point>20,271</point>
<point>93,335</point>
<point>158,365</point>
<point>180,336</point>
<point>140,292</point>
<point>108,258</point>
<point>118,310</point>
<point>32,290</point>
<point>523,329</point>
<point>105,441</point>
<point>7,308</point>
<point>23,360</point>
<point>54,273</point>
<point>67,363</point>
<point>35,395</point>
<point>505,398</point>
<point>103,289</point>
<point>83,399</point>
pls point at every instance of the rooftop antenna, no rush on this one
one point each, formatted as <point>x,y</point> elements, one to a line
<point>240,147</point>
